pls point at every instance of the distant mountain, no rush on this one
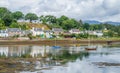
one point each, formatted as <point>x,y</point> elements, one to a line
<point>98,22</point>
<point>113,23</point>
<point>91,22</point>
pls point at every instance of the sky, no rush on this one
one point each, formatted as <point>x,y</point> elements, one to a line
<point>101,10</point>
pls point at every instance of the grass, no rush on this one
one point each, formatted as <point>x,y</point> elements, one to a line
<point>37,25</point>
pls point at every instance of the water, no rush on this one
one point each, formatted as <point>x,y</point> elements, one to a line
<point>67,59</point>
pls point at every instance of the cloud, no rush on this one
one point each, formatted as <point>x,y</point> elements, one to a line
<point>80,9</point>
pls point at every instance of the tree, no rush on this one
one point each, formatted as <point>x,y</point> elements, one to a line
<point>2,25</point>
<point>5,15</point>
<point>31,17</point>
<point>14,25</point>
<point>50,19</point>
<point>43,19</point>
<point>3,12</point>
<point>109,33</point>
<point>80,23</point>
<point>68,24</point>
<point>61,19</point>
<point>86,26</point>
<point>7,18</point>
<point>17,15</point>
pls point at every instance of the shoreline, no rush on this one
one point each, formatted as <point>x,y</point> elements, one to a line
<point>56,42</point>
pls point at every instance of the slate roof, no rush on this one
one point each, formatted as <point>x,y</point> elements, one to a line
<point>14,30</point>
<point>38,29</point>
<point>3,31</point>
<point>75,30</point>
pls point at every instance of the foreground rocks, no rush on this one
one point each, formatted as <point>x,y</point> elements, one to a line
<point>15,65</point>
<point>106,64</point>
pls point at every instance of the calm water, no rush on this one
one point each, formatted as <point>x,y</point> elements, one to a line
<point>67,59</point>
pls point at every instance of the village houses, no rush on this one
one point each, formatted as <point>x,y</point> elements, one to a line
<point>42,33</point>
<point>14,32</point>
<point>74,31</point>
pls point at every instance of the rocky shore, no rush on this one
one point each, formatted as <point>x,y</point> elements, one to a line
<point>56,42</point>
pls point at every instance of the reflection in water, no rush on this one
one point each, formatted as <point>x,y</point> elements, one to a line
<point>19,51</point>
<point>75,67</point>
<point>4,51</point>
<point>63,60</point>
<point>40,51</point>
<point>81,67</point>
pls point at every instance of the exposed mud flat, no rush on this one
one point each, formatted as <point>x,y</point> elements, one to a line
<point>15,65</point>
<point>106,64</point>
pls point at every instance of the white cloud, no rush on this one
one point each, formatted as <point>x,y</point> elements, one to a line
<point>80,9</point>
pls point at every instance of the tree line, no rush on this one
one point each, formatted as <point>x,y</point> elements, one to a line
<point>9,19</point>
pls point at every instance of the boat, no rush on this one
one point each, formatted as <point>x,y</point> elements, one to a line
<point>88,48</point>
<point>56,47</point>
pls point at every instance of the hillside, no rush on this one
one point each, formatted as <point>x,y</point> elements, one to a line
<point>37,25</point>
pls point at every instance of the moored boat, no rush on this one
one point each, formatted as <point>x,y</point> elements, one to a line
<point>88,48</point>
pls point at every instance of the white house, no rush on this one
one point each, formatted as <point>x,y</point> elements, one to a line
<point>74,31</point>
<point>48,33</point>
<point>3,33</point>
<point>37,31</point>
<point>97,33</point>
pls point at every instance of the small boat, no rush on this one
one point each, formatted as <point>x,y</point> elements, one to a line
<point>90,48</point>
<point>56,47</point>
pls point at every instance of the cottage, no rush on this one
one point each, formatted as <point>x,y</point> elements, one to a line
<point>98,33</point>
<point>26,32</point>
<point>74,31</point>
<point>48,33</point>
<point>57,31</point>
<point>3,33</point>
<point>14,31</point>
<point>37,31</point>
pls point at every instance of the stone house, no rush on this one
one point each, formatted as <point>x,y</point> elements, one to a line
<point>14,31</point>
<point>57,31</point>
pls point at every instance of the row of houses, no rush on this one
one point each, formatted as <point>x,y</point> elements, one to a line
<point>58,31</point>
<point>10,32</point>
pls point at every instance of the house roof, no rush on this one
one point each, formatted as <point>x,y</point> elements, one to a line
<point>47,31</point>
<point>3,31</point>
<point>75,30</point>
<point>14,30</point>
<point>37,29</point>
